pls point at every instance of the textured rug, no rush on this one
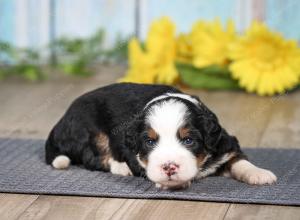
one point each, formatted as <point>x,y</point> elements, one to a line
<point>23,170</point>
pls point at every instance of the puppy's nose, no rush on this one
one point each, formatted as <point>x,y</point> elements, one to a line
<point>170,168</point>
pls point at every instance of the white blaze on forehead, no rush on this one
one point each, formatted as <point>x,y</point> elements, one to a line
<point>167,117</point>
<point>178,95</point>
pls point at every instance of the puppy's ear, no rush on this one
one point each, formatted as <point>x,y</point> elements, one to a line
<point>211,131</point>
<point>216,139</point>
<point>131,148</point>
<point>132,134</point>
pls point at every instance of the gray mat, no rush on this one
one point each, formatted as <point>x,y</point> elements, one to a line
<point>23,170</point>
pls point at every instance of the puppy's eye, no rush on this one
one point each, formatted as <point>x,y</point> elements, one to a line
<point>188,141</point>
<point>150,142</point>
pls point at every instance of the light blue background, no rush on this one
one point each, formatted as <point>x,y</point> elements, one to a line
<point>83,17</point>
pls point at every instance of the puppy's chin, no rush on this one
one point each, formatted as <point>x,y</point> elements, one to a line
<point>173,184</point>
<point>180,180</point>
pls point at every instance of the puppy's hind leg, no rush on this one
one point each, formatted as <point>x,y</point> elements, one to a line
<point>54,156</point>
<point>245,171</point>
<point>92,160</point>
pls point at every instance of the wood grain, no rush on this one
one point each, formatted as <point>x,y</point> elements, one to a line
<point>13,205</point>
<point>168,209</point>
<point>249,212</point>
<point>71,207</point>
<point>283,131</point>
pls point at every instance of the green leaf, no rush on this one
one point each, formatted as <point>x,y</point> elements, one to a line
<point>119,52</point>
<point>76,68</point>
<point>213,77</point>
<point>31,74</point>
<point>76,56</point>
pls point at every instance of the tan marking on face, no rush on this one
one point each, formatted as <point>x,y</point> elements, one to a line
<point>184,132</point>
<point>102,143</point>
<point>142,161</point>
<point>152,134</point>
<point>145,161</point>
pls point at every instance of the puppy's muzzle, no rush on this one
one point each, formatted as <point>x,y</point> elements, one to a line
<point>170,168</point>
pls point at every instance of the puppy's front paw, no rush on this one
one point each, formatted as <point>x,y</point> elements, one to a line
<point>119,168</point>
<point>258,176</point>
<point>246,172</point>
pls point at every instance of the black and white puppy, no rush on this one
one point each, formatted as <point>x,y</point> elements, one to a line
<point>148,130</point>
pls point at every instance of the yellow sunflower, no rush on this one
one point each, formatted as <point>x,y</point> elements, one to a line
<point>264,62</point>
<point>184,48</point>
<point>157,63</point>
<point>161,46</point>
<point>210,42</point>
<point>141,68</point>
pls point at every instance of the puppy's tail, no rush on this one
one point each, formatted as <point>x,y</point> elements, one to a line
<point>54,157</point>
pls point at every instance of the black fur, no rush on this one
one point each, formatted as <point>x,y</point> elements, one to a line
<point>118,111</point>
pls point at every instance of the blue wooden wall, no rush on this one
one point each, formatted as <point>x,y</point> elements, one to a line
<point>26,22</point>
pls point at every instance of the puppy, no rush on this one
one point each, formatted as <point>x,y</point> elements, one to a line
<point>154,131</point>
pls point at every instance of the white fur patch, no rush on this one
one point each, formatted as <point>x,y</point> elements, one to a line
<point>166,118</point>
<point>178,95</point>
<point>213,167</point>
<point>61,162</point>
<point>246,172</point>
<point>119,168</point>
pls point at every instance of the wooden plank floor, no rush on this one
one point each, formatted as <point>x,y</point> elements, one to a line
<point>30,110</point>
